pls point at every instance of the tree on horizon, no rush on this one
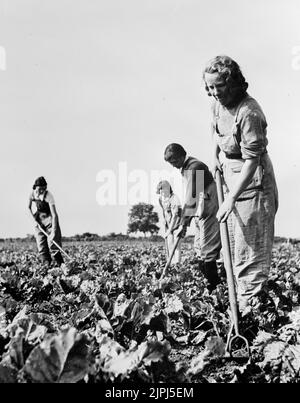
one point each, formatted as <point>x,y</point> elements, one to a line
<point>143,219</point>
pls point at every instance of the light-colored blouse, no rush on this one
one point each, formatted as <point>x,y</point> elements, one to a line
<point>241,131</point>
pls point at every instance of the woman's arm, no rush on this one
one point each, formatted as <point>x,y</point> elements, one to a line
<point>253,144</point>
<point>216,165</point>
<point>30,209</point>
<point>176,214</point>
<point>163,212</point>
<point>242,182</point>
<point>54,218</point>
<point>172,224</point>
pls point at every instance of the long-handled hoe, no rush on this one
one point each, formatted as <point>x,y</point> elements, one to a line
<point>231,285</point>
<point>166,248</point>
<point>170,257</point>
<point>55,243</point>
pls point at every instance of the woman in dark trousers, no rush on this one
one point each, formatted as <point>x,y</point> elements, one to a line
<point>45,218</point>
<point>240,133</point>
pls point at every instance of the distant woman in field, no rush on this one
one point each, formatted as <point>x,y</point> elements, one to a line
<point>240,132</point>
<point>171,209</point>
<point>46,218</point>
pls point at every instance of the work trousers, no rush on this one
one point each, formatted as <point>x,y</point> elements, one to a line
<point>46,247</point>
<point>251,231</point>
<point>207,241</point>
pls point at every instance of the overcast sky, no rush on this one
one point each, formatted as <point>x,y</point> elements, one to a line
<point>90,84</point>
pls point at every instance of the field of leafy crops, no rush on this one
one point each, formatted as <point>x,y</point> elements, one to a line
<point>103,318</point>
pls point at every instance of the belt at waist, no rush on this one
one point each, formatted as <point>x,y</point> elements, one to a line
<point>239,156</point>
<point>233,156</point>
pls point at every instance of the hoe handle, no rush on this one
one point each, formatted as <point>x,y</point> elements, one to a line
<point>227,257</point>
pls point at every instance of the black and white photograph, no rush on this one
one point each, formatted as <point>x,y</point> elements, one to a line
<point>149,212</point>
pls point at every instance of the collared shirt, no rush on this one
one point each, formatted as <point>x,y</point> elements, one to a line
<point>171,207</point>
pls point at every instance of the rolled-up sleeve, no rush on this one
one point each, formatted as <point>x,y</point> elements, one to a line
<point>253,134</point>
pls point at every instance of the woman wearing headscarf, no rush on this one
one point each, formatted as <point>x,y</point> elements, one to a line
<point>171,209</point>
<point>251,201</point>
<point>46,219</point>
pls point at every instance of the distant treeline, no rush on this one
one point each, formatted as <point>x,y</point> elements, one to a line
<point>280,239</point>
<point>88,236</point>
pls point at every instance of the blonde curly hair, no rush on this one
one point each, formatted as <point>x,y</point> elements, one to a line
<point>230,71</point>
